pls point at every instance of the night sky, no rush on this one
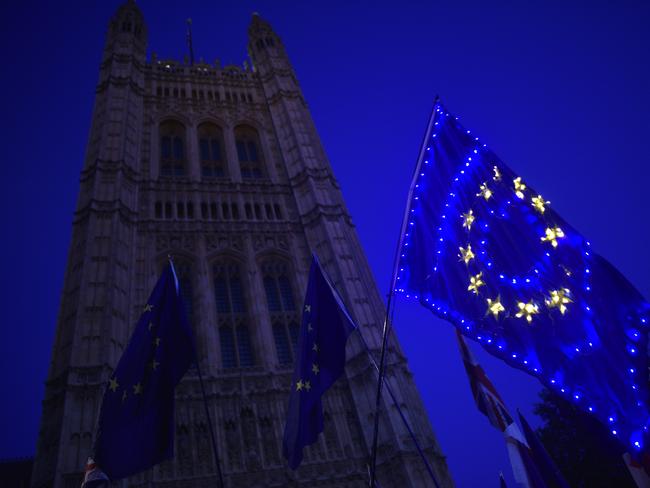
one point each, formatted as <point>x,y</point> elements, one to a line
<point>560,90</point>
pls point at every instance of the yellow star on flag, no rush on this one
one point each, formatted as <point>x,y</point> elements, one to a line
<point>309,327</point>
<point>552,235</point>
<point>559,299</point>
<point>527,310</point>
<point>497,174</point>
<point>485,192</point>
<point>123,396</point>
<point>466,255</point>
<point>540,204</point>
<point>156,341</point>
<point>299,385</point>
<point>468,219</point>
<point>475,282</point>
<point>307,308</point>
<point>137,389</point>
<point>315,369</point>
<point>519,187</point>
<point>307,385</point>
<point>113,385</point>
<point>150,326</point>
<point>495,307</point>
<point>315,347</point>
<point>154,364</point>
<point>148,308</point>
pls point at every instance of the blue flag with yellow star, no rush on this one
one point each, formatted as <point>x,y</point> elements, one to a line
<point>320,360</point>
<point>136,422</point>
<point>485,251</point>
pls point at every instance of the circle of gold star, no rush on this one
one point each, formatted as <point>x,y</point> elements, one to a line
<point>559,299</point>
<point>552,235</point>
<point>527,310</point>
<point>519,187</point>
<point>497,174</point>
<point>466,255</point>
<point>475,282</point>
<point>495,307</point>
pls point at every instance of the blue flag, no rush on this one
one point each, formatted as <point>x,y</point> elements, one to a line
<point>485,251</point>
<point>324,332</point>
<point>136,421</point>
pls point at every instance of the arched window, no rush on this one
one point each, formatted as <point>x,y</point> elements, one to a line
<point>236,347</point>
<point>172,149</point>
<point>282,308</point>
<point>211,151</point>
<point>251,161</point>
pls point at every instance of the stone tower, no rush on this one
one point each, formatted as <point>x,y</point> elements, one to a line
<point>221,167</point>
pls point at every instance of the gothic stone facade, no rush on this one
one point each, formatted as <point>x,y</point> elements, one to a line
<point>223,169</point>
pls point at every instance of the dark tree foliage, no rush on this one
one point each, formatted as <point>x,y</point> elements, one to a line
<point>586,454</point>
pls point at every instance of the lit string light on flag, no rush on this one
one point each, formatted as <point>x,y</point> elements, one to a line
<point>485,251</point>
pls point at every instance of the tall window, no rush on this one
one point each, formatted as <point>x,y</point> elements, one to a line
<point>173,161</point>
<point>282,309</point>
<point>236,347</point>
<point>211,151</point>
<point>249,152</point>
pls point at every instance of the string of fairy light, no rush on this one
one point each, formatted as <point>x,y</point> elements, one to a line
<point>536,296</point>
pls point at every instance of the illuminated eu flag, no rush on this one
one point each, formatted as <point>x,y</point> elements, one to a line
<point>136,421</point>
<point>324,332</point>
<point>485,251</point>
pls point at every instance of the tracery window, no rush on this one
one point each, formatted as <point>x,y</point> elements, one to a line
<point>251,161</point>
<point>173,161</point>
<point>211,151</point>
<point>233,322</point>
<point>282,309</point>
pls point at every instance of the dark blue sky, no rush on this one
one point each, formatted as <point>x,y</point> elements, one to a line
<point>560,90</point>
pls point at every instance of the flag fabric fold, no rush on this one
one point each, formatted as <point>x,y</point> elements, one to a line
<point>485,251</point>
<point>136,422</point>
<point>320,361</point>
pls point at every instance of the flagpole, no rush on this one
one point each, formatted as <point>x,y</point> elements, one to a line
<point>213,438</point>
<point>389,303</point>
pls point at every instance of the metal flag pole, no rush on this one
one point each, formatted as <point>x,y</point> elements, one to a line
<point>213,438</point>
<point>389,302</point>
<point>189,41</point>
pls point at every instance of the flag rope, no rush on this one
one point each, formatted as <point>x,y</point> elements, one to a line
<point>389,303</point>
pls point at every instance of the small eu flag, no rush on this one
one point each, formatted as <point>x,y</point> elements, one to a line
<point>136,421</point>
<point>324,332</point>
<point>485,251</point>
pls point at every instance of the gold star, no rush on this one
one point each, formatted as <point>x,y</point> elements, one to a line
<point>495,307</point>
<point>307,308</point>
<point>137,389</point>
<point>485,192</point>
<point>148,308</point>
<point>123,396</point>
<point>300,385</point>
<point>519,187</point>
<point>315,369</point>
<point>527,310</point>
<point>113,384</point>
<point>540,204</point>
<point>154,364</point>
<point>552,235</point>
<point>468,219</point>
<point>156,341</point>
<point>150,326</point>
<point>497,174</point>
<point>315,348</point>
<point>559,299</point>
<point>309,327</point>
<point>475,282</point>
<point>466,254</point>
<point>307,385</point>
